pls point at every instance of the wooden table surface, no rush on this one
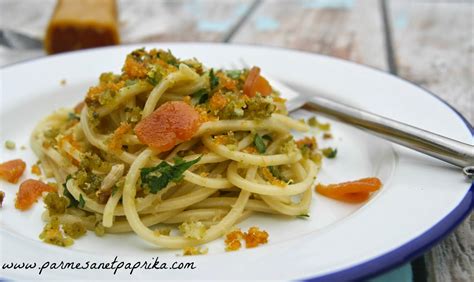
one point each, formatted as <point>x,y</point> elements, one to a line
<point>428,42</point>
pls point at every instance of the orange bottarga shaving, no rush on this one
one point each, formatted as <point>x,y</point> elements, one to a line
<point>12,170</point>
<point>29,192</point>
<point>352,191</point>
<point>172,123</point>
<point>256,83</point>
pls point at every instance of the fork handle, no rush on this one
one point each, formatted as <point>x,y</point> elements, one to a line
<point>443,148</point>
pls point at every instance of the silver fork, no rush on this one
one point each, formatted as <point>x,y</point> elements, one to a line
<point>446,149</point>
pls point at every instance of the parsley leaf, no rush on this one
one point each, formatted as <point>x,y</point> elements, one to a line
<point>72,116</point>
<point>213,79</point>
<point>200,96</point>
<point>158,177</point>
<point>329,153</point>
<point>72,201</point>
<point>234,74</point>
<point>259,144</point>
<point>115,189</point>
<point>267,137</point>
<point>82,202</point>
<point>276,172</point>
<point>303,216</point>
<point>153,77</point>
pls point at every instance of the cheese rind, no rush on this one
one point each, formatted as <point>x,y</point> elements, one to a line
<point>80,24</point>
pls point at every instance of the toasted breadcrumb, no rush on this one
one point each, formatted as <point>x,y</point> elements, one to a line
<point>2,196</point>
<point>268,176</point>
<point>193,229</point>
<point>232,240</point>
<point>35,169</point>
<point>218,102</point>
<point>52,234</point>
<point>187,99</point>
<point>162,231</point>
<point>327,136</point>
<point>115,143</point>
<point>255,237</point>
<point>74,230</point>
<point>193,251</point>
<point>55,204</point>
<point>224,139</point>
<point>250,150</point>
<point>309,142</point>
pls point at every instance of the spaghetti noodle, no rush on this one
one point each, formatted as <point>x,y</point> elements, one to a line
<point>170,142</point>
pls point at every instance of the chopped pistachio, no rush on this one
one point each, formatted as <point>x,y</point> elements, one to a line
<point>52,234</point>
<point>313,122</point>
<point>10,145</point>
<point>55,204</point>
<point>329,152</point>
<point>194,251</point>
<point>99,229</point>
<point>74,230</point>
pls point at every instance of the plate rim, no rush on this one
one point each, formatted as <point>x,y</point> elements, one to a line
<point>384,262</point>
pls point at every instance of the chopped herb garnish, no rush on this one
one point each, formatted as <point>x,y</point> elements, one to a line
<point>82,202</point>
<point>200,97</point>
<point>72,116</point>
<point>276,172</point>
<point>130,82</point>
<point>156,178</point>
<point>259,144</point>
<point>267,137</point>
<point>168,57</point>
<point>213,79</point>
<point>234,74</point>
<point>114,190</point>
<point>72,201</point>
<point>303,216</point>
<point>329,153</point>
<point>153,77</point>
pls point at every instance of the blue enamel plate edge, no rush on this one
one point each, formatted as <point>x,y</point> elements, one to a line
<point>422,243</point>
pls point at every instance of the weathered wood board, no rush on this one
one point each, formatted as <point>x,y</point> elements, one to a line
<point>434,47</point>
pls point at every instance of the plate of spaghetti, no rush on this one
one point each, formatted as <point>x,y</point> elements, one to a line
<point>136,162</point>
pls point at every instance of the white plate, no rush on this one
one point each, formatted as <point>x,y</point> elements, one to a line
<point>422,198</point>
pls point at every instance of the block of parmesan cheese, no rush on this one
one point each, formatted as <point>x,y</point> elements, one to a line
<point>79,24</point>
